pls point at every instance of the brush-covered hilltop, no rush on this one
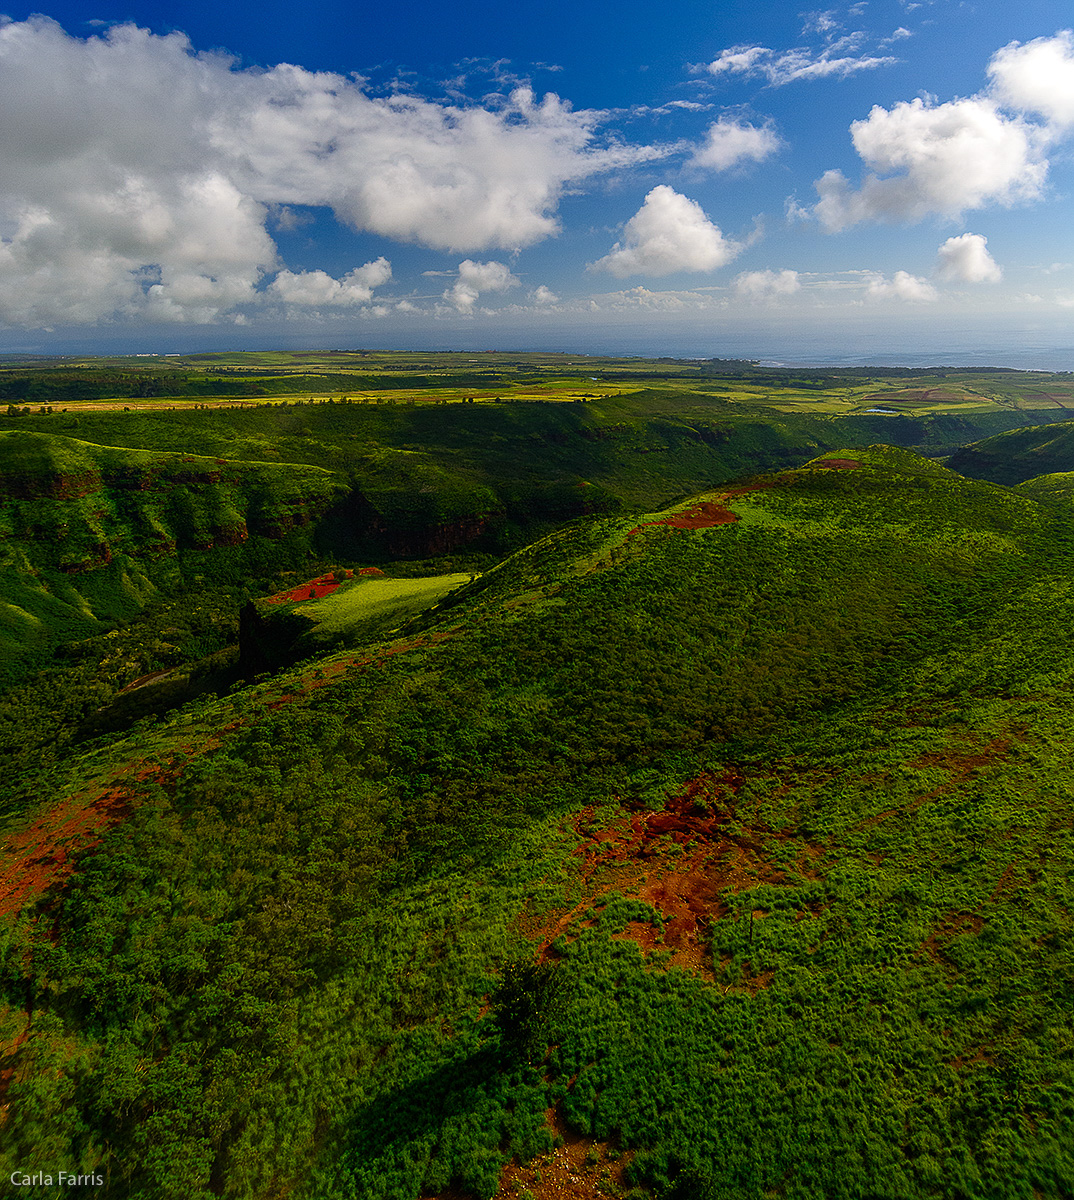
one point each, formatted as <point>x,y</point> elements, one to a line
<point>1018,455</point>
<point>712,838</point>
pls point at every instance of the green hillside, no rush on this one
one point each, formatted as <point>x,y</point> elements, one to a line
<point>91,534</point>
<point>1058,486</point>
<point>428,476</point>
<point>775,779</point>
<point>1018,454</point>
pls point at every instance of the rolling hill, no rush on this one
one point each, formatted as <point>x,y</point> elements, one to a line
<point>1018,455</point>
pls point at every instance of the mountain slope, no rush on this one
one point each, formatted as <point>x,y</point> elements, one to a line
<point>779,777</point>
<point>428,477</point>
<point>90,534</point>
<point>1019,454</point>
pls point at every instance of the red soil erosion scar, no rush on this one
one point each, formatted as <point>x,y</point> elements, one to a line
<point>315,589</point>
<point>42,855</point>
<point>706,514</point>
<point>839,464</point>
<point>681,860</point>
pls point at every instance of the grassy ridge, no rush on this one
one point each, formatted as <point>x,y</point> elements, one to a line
<point>270,976</point>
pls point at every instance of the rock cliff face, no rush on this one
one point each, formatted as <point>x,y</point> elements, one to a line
<point>439,538</point>
<point>27,485</point>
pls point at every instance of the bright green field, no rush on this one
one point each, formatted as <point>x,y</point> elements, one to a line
<point>364,607</point>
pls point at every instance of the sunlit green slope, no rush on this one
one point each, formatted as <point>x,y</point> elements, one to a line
<point>787,797</point>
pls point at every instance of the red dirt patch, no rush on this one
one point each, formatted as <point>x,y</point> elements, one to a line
<point>979,1056</point>
<point>580,1169</point>
<point>702,516</point>
<point>838,464</point>
<point>706,514</point>
<point>953,924</point>
<point>314,589</point>
<point>961,765</point>
<point>681,860</point>
<point>41,855</point>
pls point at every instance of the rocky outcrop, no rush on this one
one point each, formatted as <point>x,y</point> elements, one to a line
<point>266,640</point>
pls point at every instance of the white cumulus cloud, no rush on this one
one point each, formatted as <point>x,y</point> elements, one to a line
<point>669,233</point>
<point>965,259</point>
<point>766,285</point>
<point>317,289</point>
<point>934,159</point>
<point>475,278</point>
<point>544,296</point>
<point>730,142</point>
<point>139,178</point>
<point>945,159</point>
<point>446,176</point>
<point>780,67</point>
<point>1037,77</point>
<point>903,286</point>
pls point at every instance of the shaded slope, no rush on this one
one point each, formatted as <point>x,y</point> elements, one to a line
<point>1021,454</point>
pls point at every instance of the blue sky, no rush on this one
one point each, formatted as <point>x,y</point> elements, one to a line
<point>890,177</point>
